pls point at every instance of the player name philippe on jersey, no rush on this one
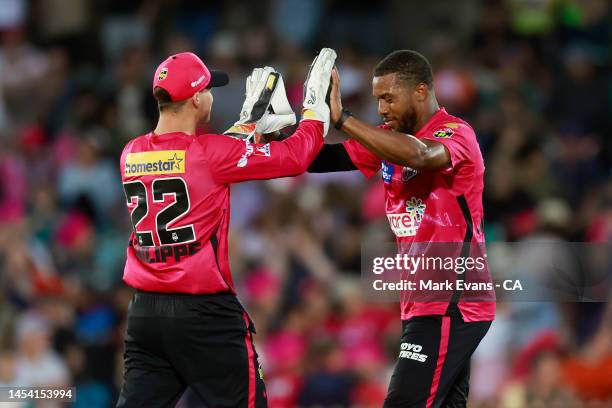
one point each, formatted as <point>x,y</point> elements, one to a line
<point>156,162</point>
<point>166,253</point>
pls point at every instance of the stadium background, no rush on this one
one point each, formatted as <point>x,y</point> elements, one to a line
<point>532,77</point>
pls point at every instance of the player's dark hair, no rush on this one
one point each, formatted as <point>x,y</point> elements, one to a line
<point>408,65</point>
<point>164,101</point>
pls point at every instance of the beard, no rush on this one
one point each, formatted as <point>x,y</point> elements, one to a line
<point>407,123</point>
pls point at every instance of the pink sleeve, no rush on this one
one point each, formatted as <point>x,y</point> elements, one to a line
<point>233,160</point>
<point>366,161</point>
<point>456,139</point>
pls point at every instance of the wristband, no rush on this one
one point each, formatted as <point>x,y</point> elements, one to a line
<point>345,115</point>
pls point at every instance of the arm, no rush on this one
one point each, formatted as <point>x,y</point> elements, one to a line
<point>398,148</point>
<point>233,160</point>
<point>290,157</point>
<point>395,147</point>
<point>332,157</point>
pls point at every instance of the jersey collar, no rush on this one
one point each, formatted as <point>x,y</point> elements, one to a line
<point>440,113</point>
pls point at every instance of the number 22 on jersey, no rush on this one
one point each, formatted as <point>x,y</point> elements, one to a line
<point>136,192</point>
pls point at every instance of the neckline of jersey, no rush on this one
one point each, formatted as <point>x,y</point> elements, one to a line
<point>441,111</point>
<point>153,134</point>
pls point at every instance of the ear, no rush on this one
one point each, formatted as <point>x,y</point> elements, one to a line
<point>196,99</point>
<point>421,92</point>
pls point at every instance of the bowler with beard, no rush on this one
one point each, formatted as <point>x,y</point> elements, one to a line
<point>432,170</point>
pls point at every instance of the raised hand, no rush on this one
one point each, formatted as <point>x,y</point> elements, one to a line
<point>315,106</point>
<point>265,109</point>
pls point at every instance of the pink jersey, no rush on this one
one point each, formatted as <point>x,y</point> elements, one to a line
<point>435,206</point>
<point>177,188</point>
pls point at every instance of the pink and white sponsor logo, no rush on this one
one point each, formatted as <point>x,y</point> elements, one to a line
<point>403,225</point>
<point>407,224</point>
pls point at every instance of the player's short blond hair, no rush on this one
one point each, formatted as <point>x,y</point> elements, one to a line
<point>164,101</point>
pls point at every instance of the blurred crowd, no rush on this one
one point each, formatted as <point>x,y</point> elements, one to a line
<point>532,77</point>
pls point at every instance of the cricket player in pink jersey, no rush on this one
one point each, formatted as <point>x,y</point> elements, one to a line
<point>186,327</point>
<point>432,171</point>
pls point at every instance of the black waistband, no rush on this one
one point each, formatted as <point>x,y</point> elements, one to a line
<point>186,295</point>
<point>176,302</point>
<point>184,304</point>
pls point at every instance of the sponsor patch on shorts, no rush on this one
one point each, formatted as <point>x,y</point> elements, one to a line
<point>412,351</point>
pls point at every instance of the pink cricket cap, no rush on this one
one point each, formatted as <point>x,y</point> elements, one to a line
<point>184,74</point>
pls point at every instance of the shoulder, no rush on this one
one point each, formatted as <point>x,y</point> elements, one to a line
<point>134,143</point>
<point>206,139</point>
<point>215,147</point>
<point>213,144</point>
<point>126,149</point>
<point>449,126</point>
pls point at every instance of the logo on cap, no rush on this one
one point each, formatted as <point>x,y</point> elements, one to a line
<point>162,74</point>
<point>198,81</point>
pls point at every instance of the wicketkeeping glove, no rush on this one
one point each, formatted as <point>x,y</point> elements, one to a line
<point>315,106</point>
<point>266,108</point>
